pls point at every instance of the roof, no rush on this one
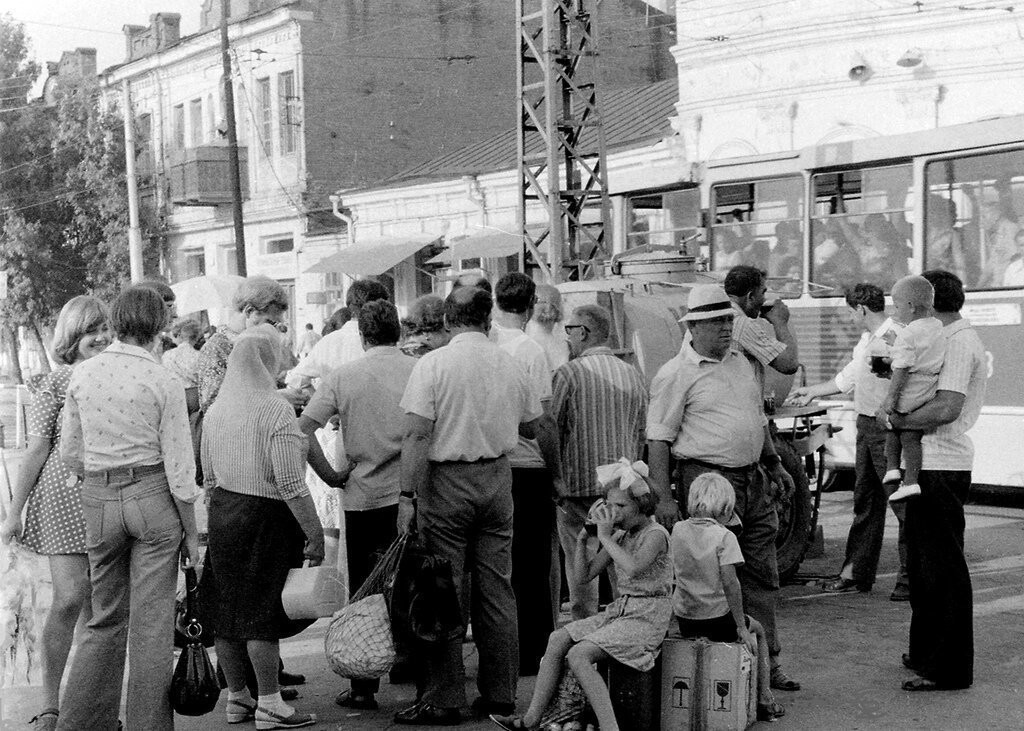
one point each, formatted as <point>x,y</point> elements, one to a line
<point>631,116</point>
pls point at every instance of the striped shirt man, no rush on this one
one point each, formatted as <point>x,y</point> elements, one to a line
<point>600,406</point>
<point>964,370</point>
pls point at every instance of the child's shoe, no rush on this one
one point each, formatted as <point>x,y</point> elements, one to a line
<point>892,477</point>
<point>904,492</point>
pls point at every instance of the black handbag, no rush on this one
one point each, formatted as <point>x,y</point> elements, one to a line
<point>199,604</point>
<point>194,686</point>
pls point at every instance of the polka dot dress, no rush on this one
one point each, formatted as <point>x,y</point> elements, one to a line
<point>54,523</point>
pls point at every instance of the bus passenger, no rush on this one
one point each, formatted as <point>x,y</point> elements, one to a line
<point>944,245</point>
<point>786,258</point>
<point>836,262</point>
<point>998,233</point>
<point>883,253</point>
<point>1014,274</point>
<point>916,360</point>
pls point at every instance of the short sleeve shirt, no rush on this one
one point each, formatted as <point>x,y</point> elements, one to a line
<point>530,355</point>
<point>365,394</point>
<point>700,547</point>
<point>475,394</point>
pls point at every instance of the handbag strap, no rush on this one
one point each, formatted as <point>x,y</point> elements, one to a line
<point>193,628</point>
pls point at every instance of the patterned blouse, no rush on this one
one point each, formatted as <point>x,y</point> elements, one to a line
<point>213,364</point>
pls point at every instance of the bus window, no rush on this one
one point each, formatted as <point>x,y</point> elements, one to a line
<point>972,218</point>
<point>668,218</point>
<point>859,228</point>
<point>760,223</point>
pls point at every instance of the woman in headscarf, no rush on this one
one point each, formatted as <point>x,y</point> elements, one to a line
<point>262,523</point>
<point>54,523</point>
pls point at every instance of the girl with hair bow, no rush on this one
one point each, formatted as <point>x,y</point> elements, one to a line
<point>631,629</point>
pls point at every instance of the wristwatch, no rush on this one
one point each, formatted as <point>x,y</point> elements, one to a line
<point>407,495</point>
<point>771,460</point>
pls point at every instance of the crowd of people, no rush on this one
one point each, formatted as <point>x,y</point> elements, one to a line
<point>505,433</point>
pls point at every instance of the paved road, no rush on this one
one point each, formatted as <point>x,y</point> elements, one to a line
<point>845,649</point>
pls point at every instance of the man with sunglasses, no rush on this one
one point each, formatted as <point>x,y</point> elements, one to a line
<point>599,404</point>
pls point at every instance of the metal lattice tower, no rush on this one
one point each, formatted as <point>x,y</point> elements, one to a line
<point>556,82</point>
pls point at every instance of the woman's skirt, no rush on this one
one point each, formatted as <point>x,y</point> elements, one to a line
<point>254,542</point>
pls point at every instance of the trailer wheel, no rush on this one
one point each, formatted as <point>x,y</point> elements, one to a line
<point>795,528</point>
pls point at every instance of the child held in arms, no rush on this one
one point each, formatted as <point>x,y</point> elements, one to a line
<point>917,357</point>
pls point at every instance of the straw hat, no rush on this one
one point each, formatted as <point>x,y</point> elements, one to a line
<point>707,301</point>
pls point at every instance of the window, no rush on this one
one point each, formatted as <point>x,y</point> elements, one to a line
<point>178,126</point>
<point>279,245</point>
<point>211,119</point>
<point>264,116</point>
<point>859,228</point>
<point>288,111</point>
<point>667,218</point>
<point>760,224</point>
<point>194,263</point>
<point>972,218</point>
<point>195,121</point>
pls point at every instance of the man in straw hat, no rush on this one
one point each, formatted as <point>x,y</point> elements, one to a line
<point>706,411</point>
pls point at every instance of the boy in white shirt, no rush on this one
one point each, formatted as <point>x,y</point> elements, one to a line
<point>917,357</point>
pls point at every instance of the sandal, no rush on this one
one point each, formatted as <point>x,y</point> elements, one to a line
<point>348,699</point>
<point>509,723</point>
<point>781,681</point>
<point>45,720</point>
<point>239,712</point>
<point>770,712</point>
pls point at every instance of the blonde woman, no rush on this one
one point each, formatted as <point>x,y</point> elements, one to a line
<point>54,524</point>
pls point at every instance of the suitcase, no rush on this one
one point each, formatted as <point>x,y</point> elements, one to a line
<point>707,685</point>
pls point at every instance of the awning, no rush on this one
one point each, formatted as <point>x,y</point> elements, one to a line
<point>492,244</point>
<point>372,257</point>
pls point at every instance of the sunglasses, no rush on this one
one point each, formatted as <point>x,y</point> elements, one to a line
<point>584,328</point>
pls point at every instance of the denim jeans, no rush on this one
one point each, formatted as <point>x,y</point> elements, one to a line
<point>133,534</point>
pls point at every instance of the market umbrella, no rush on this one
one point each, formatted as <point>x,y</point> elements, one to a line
<point>208,292</point>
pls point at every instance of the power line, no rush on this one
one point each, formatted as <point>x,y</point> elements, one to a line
<point>28,162</point>
<point>73,27</point>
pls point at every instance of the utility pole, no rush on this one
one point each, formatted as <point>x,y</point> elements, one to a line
<point>134,232</point>
<point>229,114</point>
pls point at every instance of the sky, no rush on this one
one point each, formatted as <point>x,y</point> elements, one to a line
<point>55,26</point>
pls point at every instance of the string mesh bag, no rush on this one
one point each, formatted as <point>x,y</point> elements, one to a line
<point>359,643</point>
<point>569,701</point>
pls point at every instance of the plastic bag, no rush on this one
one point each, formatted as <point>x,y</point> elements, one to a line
<point>312,592</point>
<point>194,686</point>
<point>424,605</point>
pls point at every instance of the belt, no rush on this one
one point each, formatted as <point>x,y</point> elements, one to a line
<point>746,469</point>
<point>119,474</point>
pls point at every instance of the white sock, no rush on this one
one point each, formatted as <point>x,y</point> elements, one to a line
<point>273,702</point>
<point>241,696</point>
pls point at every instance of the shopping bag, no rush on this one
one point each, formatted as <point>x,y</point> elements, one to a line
<point>194,686</point>
<point>424,605</point>
<point>311,592</point>
<point>358,643</point>
<point>568,703</point>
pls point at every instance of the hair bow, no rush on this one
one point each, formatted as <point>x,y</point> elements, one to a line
<point>628,473</point>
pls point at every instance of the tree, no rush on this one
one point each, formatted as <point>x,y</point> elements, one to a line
<point>63,196</point>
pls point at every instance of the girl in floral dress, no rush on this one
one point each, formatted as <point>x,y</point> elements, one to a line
<point>631,629</point>
<point>54,523</point>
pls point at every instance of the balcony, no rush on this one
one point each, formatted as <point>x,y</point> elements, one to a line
<point>200,176</point>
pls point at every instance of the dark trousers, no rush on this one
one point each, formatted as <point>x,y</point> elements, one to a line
<point>759,574</point>
<point>368,533</point>
<point>870,501</point>
<point>941,626</point>
<point>464,514</point>
<point>533,523</point>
